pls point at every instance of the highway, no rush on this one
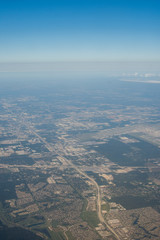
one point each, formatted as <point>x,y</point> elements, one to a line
<point>82,173</point>
<point>98,195</point>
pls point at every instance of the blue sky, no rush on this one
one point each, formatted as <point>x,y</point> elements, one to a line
<point>79,30</point>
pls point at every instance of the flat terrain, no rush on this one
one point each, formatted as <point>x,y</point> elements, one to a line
<point>80,162</point>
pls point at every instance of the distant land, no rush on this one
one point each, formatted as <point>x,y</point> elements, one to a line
<point>79,159</point>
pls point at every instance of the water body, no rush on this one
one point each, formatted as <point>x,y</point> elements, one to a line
<point>16,233</point>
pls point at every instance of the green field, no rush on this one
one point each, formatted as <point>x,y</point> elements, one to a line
<point>91,218</point>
